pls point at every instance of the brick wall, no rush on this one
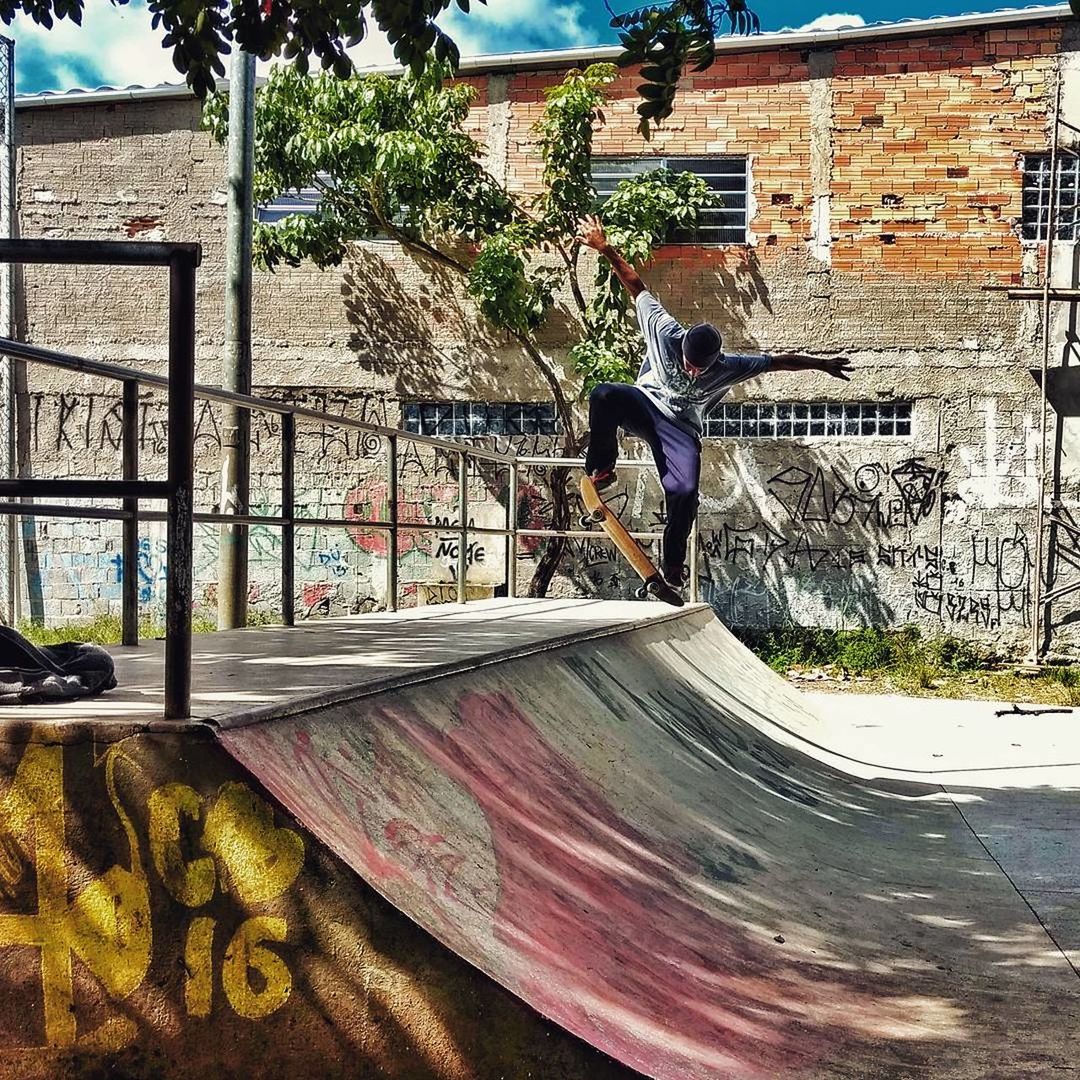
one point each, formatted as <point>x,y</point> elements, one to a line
<point>886,191</point>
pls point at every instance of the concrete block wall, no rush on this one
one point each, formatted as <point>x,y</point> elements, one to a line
<point>885,183</point>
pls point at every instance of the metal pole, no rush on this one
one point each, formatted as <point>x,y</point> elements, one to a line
<point>236,363</point>
<point>1040,509</point>
<point>178,584</point>
<point>8,227</point>
<point>463,527</point>
<point>288,512</point>
<point>392,517</point>
<point>694,555</point>
<point>129,603</point>
<point>511,540</point>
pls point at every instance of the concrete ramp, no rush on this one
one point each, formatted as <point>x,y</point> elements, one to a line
<point>658,844</point>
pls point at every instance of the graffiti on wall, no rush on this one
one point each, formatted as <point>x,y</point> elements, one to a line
<point>865,541</point>
<point>76,421</point>
<point>152,569</point>
<point>200,848</point>
<point>993,587</point>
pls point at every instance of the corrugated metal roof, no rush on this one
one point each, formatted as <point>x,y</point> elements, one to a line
<point>531,61</point>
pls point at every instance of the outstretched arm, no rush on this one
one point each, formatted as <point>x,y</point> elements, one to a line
<point>836,366</point>
<point>591,234</point>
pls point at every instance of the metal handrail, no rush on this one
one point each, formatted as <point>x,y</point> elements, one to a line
<point>132,490</point>
<point>181,261</point>
<point>51,357</point>
<point>178,488</point>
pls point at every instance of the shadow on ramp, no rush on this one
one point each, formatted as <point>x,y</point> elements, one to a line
<point>650,838</point>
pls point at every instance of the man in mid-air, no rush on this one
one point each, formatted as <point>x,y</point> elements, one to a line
<point>683,374</point>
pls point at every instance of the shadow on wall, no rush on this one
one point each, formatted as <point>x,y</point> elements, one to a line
<point>412,323</point>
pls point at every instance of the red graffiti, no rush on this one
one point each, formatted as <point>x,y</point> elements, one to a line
<point>605,927</point>
<point>369,503</point>
<point>316,594</point>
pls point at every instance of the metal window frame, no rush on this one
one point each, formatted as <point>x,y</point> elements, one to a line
<point>702,236</point>
<point>1036,183</point>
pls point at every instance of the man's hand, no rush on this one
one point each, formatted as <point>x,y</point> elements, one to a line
<point>591,232</point>
<point>836,366</point>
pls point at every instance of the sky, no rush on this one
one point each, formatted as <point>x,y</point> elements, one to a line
<point>115,46</point>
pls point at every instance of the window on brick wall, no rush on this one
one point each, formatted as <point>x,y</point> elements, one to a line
<point>1036,213</point>
<point>796,419</point>
<point>303,201</point>
<point>477,418</point>
<point>725,224</point>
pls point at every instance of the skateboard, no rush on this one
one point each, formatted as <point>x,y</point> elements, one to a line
<point>653,583</point>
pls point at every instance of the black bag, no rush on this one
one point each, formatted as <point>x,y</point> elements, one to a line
<point>31,674</point>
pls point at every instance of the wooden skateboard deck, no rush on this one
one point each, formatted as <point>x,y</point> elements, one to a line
<point>653,583</point>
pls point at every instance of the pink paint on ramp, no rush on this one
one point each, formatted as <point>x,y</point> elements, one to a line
<point>640,836</point>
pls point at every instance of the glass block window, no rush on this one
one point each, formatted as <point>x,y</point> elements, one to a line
<point>796,420</point>
<point>725,224</point>
<point>468,419</point>
<point>1036,214</point>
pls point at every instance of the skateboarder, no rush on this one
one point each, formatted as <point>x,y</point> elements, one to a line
<point>683,374</point>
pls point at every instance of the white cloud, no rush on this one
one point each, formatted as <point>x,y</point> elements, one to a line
<point>515,26</point>
<point>830,22</point>
<point>113,46</point>
<point>116,46</point>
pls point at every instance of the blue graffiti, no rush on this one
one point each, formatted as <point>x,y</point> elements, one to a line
<point>151,573</point>
<point>334,561</point>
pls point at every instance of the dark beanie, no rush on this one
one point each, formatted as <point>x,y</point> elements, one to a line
<point>701,345</point>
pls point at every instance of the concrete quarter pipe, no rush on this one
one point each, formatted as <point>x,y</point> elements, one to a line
<point>661,846</point>
<point>530,840</point>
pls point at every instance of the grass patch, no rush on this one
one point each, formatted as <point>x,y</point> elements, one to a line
<point>866,651</point>
<point>906,662</point>
<point>107,629</point>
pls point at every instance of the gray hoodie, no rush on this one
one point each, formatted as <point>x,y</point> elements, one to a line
<point>664,380</point>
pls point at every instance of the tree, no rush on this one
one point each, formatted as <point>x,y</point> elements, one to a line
<point>664,37</point>
<point>668,37</point>
<point>391,156</point>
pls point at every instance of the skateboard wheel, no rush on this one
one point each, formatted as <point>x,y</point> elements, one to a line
<point>586,521</point>
<point>641,593</point>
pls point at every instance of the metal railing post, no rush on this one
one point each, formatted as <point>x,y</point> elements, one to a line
<point>181,457</point>
<point>463,528</point>
<point>288,512</point>
<point>129,550</point>
<point>694,557</point>
<point>511,539</point>
<point>1037,615</point>
<point>392,518</point>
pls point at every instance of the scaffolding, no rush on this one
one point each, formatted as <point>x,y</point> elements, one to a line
<point>1050,516</point>
<point>9,535</point>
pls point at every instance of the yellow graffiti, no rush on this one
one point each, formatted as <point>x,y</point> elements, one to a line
<point>198,959</point>
<point>257,861</point>
<point>107,925</point>
<point>245,954</point>
<point>261,861</point>
<point>192,883</point>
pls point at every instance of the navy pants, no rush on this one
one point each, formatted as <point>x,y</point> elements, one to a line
<point>675,450</point>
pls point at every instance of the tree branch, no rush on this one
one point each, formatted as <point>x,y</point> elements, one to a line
<point>575,285</point>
